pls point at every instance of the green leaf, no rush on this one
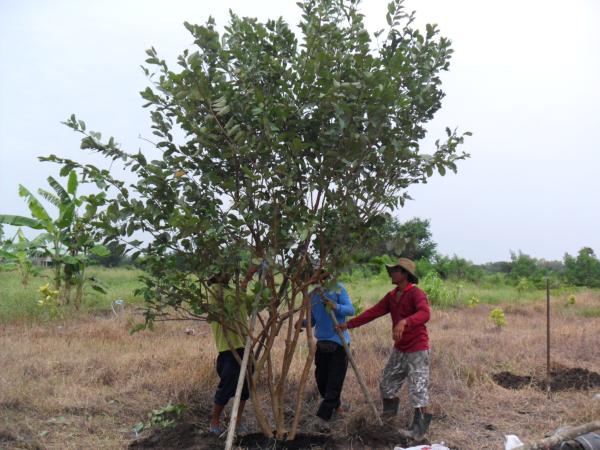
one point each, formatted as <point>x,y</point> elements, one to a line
<point>7,255</point>
<point>20,221</point>
<point>36,208</point>
<point>72,183</point>
<point>100,250</point>
<point>60,191</point>
<point>49,197</point>
<point>69,259</point>
<point>66,215</point>
<point>99,288</point>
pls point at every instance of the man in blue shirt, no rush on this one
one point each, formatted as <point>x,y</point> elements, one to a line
<point>331,360</point>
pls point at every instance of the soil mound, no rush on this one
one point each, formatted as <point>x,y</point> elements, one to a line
<point>561,379</point>
<point>190,437</point>
<point>183,436</point>
<point>186,436</point>
<point>509,380</point>
<point>257,441</point>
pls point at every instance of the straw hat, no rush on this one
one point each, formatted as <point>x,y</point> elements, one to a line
<point>407,265</point>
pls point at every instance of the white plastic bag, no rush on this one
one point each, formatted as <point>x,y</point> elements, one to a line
<point>511,441</point>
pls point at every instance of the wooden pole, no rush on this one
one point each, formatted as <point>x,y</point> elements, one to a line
<point>548,377</point>
<point>359,377</point>
<point>561,437</point>
<point>243,367</point>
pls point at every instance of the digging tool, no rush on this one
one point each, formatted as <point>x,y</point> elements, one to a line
<point>240,385</point>
<point>359,377</point>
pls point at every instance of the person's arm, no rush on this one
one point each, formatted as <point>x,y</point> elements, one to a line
<point>422,313</point>
<point>417,318</point>
<point>378,310</point>
<point>345,306</point>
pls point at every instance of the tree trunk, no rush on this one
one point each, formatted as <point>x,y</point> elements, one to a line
<point>305,371</point>
<point>262,420</point>
<point>290,348</point>
<point>561,437</point>
<point>79,290</point>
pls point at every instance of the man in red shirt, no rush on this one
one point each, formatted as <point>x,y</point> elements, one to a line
<point>409,310</point>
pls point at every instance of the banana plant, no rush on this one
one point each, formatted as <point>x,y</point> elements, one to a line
<point>68,239</point>
<point>16,255</point>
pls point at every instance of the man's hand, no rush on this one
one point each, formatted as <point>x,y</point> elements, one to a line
<point>330,304</point>
<point>342,326</point>
<point>398,330</point>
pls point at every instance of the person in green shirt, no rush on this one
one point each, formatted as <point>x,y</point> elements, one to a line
<point>223,297</point>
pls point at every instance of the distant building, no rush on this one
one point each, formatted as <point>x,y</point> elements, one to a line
<point>41,260</point>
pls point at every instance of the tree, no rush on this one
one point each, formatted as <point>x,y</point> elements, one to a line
<point>278,149</point>
<point>583,270</point>
<point>456,268</point>
<point>68,239</point>
<point>524,267</point>
<point>417,238</point>
<point>411,239</point>
<point>114,257</point>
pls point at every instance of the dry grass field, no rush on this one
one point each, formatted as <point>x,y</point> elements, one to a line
<point>83,384</point>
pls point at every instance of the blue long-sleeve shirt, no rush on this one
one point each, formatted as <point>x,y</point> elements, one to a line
<point>324,329</point>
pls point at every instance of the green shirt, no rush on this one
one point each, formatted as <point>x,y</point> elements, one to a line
<point>239,312</point>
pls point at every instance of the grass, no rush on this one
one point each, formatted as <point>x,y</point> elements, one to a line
<point>590,312</point>
<point>447,294</point>
<point>19,303</point>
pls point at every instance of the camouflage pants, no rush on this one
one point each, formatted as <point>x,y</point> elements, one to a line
<point>400,366</point>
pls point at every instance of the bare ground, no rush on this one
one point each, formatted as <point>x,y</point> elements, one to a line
<point>84,384</point>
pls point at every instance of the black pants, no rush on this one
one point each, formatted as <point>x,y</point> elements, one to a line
<point>331,364</point>
<point>228,370</point>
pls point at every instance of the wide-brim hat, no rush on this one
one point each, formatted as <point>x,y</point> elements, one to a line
<point>407,265</point>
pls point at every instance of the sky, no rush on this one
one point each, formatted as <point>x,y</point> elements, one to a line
<point>524,79</point>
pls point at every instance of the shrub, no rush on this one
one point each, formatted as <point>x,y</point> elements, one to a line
<point>438,292</point>
<point>497,317</point>
<point>473,301</point>
<point>524,285</point>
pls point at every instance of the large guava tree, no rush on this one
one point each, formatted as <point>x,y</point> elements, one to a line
<point>278,148</point>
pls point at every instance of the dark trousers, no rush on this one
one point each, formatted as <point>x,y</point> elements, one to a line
<point>228,370</point>
<point>331,364</point>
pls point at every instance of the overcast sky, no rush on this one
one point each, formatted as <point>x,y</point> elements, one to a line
<point>525,79</point>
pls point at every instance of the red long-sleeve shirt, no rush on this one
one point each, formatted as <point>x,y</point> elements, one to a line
<point>412,305</point>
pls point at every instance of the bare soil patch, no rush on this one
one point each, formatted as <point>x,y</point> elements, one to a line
<point>562,379</point>
<point>189,436</point>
